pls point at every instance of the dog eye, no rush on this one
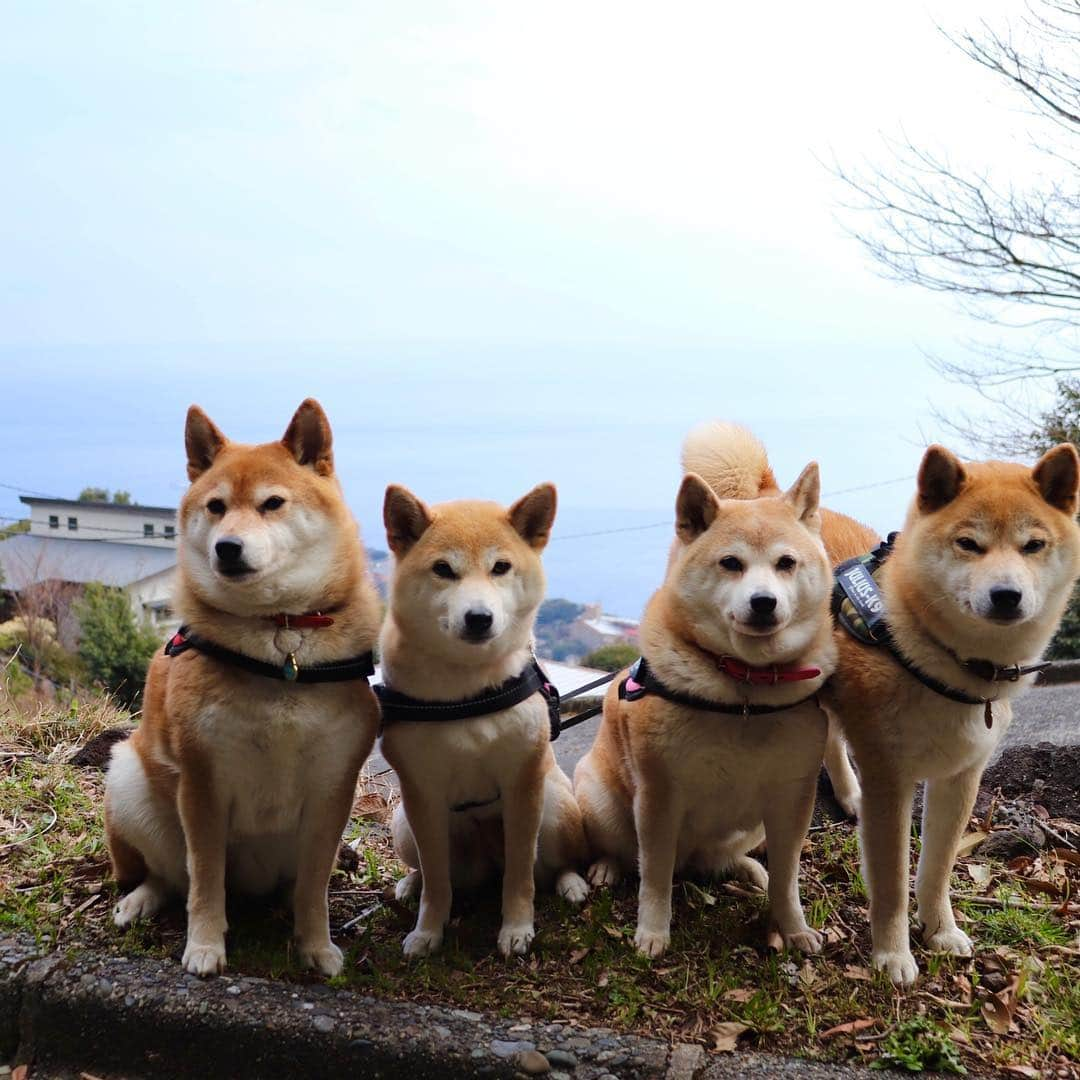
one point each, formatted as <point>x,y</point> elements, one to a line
<point>785,562</point>
<point>216,506</point>
<point>729,562</point>
<point>444,570</point>
<point>275,502</point>
<point>966,543</point>
<point>500,568</point>
<point>1033,545</point>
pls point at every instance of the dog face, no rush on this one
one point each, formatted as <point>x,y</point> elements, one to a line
<point>750,576</point>
<point>994,546</point>
<point>263,529</point>
<point>468,579</point>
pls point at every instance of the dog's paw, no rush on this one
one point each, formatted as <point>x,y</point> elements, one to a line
<point>204,959</point>
<point>650,943</point>
<point>804,941</point>
<point>751,871</point>
<point>572,887</point>
<point>604,872</point>
<point>422,943</point>
<point>949,939</point>
<point>899,964</point>
<point>408,887</point>
<point>850,802</point>
<point>515,940</point>
<point>141,903</point>
<point>325,958</point>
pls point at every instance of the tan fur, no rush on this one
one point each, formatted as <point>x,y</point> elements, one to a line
<point>235,776</point>
<point>532,829</point>
<point>901,733</point>
<point>674,788</point>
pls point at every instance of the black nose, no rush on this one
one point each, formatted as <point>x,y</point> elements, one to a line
<point>478,622</point>
<point>1005,601</point>
<point>762,603</point>
<point>229,549</point>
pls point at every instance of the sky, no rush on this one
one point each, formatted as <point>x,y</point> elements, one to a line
<point>501,243</point>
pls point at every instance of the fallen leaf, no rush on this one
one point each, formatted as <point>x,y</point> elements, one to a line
<point>604,979</point>
<point>613,931</point>
<point>859,974</point>
<point>849,1028</point>
<point>1023,1070</point>
<point>578,955</point>
<point>970,842</point>
<point>980,873</point>
<point>19,1072</point>
<point>740,996</point>
<point>1065,855</point>
<point>998,1013</point>
<point>807,975</point>
<point>724,1038</point>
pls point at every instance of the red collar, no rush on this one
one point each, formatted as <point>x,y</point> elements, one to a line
<point>763,676</point>
<point>312,620</point>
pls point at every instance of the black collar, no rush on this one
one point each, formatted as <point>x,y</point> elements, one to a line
<point>356,668</point>
<point>397,707</point>
<point>640,681</point>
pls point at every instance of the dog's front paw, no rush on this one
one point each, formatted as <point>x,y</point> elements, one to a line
<point>604,872</point>
<point>142,902</point>
<point>408,886</point>
<point>949,939</point>
<point>572,888</point>
<point>899,964</point>
<point>204,960</point>
<point>422,943</point>
<point>652,943</point>
<point>325,958</point>
<point>515,940</point>
<point>805,940</point>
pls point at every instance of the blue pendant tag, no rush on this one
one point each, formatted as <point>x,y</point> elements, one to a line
<point>291,669</point>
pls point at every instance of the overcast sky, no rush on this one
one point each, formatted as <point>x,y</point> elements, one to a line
<point>501,242</point>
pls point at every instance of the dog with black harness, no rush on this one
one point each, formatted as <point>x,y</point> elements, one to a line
<point>468,716</point>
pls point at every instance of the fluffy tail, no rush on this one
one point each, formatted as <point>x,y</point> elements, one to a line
<point>730,459</point>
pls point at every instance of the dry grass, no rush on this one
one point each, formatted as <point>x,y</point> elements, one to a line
<point>1015,1006</point>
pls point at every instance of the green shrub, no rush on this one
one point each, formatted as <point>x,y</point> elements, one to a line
<point>114,647</point>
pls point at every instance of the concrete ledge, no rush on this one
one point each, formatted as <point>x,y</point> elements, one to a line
<point>1063,671</point>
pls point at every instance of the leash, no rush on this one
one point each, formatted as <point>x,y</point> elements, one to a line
<point>355,668</point>
<point>586,714</point>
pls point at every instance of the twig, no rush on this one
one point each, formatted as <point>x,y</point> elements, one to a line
<point>30,836</point>
<point>994,902</point>
<point>368,911</point>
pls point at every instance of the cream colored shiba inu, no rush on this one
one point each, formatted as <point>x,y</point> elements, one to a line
<point>973,590</point>
<point>479,791</point>
<point>716,742</point>
<point>255,727</point>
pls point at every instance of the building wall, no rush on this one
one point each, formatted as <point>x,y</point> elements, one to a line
<point>151,600</point>
<point>102,521</point>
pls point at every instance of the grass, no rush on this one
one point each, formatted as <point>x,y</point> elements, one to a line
<point>583,969</point>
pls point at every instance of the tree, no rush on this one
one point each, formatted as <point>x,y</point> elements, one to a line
<point>98,494</point>
<point>613,657</point>
<point>122,498</point>
<point>115,648</point>
<point>1010,253</point>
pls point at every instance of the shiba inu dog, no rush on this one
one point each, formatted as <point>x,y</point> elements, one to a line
<point>973,590</point>
<point>255,727</point>
<point>716,742</point>
<point>464,727</point>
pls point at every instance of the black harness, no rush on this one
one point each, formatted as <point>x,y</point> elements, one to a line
<point>858,606</point>
<point>641,681</point>
<point>356,668</point>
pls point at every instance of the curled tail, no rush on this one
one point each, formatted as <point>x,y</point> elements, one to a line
<point>730,459</point>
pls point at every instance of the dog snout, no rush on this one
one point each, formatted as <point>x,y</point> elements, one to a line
<point>229,549</point>
<point>1005,602</point>
<point>763,603</point>
<point>478,623</point>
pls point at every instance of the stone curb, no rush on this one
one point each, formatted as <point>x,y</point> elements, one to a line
<point>147,1018</point>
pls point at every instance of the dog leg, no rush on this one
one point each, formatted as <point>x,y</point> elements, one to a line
<point>523,807</point>
<point>562,840</point>
<point>884,833</point>
<point>787,819</point>
<point>946,808</point>
<point>429,820</point>
<point>845,783</point>
<point>321,825</point>
<point>608,823</point>
<point>204,821</point>
<point>658,820</point>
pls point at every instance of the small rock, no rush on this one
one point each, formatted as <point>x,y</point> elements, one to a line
<point>562,1059</point>
<point>533,1063</point>
<point>502,1048</point>
<point>1006,844</point>
<point>461,1014</point>
<point>558,1075</point>
<point>993,981</point>
<point>442,1032</point>
<point>324,1023</point>
<point>685,1060</point>
<point>234,989</point>
<point>129,1000</point>
<point>478,1053</point>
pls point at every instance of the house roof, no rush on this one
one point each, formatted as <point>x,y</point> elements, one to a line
<point>25,558</point>
<point>134,508</point>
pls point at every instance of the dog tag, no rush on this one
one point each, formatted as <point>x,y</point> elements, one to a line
<point>291,669</point>
<point>988,715</point>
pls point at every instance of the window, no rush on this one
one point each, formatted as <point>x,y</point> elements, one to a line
<point>170,532</point>
<point>148,529</point>
<point>73,524</point>
<point>54,521</point>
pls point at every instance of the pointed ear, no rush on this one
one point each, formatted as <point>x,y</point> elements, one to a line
<point>1057,473</point>
<point>202,440</point>
<point>804,497</point>
<point>406,519</point>
<point>533,515</point>
<point>941,476</point>
<point>696,507</point>
<point>308,438</point>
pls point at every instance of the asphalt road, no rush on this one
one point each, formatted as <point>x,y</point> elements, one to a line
<point>1044,714</point>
